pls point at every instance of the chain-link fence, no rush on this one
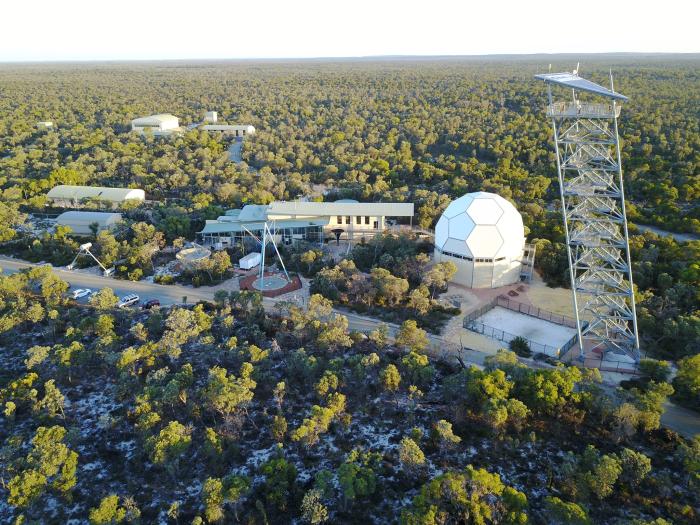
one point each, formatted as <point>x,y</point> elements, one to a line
<point>471,323</point>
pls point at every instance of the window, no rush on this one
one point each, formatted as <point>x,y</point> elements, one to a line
<point>366,220</point>
<point>358,220</point>
<point>347,219</point>
<point>340,219</point>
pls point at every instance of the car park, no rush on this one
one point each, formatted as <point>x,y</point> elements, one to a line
<point>81,292</point>
<point>128,300</point>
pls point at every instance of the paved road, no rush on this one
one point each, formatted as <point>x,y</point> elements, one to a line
<point>234,151</point>
<point>680,237</point>
<point>683,421</point>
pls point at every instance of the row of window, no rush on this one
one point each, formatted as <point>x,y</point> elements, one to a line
<point>348,219</point>
<point>478,259</point>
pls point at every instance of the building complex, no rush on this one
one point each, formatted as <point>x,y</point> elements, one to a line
<point>298,220</point>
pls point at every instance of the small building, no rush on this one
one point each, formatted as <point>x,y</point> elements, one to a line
<point>74,196</point>
<point>483,235</point>
<point>45,124</point>
<point>250,261</point>
<point>88,222</point>
<point>161,124</point>
<point>291,221</point>
<point>211,116</point>
<point>234,129</point>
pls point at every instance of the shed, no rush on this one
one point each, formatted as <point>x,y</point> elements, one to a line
<point>65,195</point>
<point>80,221</point>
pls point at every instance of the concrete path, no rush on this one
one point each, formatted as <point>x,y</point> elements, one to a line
<point>234,151</point>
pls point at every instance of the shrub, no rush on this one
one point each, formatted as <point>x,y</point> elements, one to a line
<point>520,346</point>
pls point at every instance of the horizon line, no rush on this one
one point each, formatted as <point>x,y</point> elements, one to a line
<point>349,57</point>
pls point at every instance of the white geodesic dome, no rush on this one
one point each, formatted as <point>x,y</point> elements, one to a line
<point>483,234</point>
<point>481,224</point>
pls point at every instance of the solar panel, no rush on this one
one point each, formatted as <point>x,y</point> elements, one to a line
<point>576,82</point>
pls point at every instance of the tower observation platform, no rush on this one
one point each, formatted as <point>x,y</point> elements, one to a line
<point>589,167</point>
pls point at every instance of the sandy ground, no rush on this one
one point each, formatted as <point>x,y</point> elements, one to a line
<point>557,300</point>
<point>530,328</point>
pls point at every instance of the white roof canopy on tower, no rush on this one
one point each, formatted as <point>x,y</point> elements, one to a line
<point>581,84</point>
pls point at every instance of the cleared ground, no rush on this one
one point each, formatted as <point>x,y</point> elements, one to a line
<point>531,328</point>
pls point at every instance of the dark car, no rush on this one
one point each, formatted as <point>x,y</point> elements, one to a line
<point>150,304</point>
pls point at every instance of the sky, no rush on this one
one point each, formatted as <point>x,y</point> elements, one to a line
<point>49,30</point>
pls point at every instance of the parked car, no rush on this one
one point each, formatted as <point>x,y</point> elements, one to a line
<point>81,292</point>
<point>128,300</point>
<point>150,304</point>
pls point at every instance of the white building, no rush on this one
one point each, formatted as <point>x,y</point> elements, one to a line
<point>73,196</point>
<point>234,129</point>
<point>211,116</point>
<point>161,124</point>
<point>483,235</point>
<point>298,220</point>
<point>81,222</point>
<point>45,124</point>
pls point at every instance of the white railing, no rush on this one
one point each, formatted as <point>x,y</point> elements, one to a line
<point>570,109</point>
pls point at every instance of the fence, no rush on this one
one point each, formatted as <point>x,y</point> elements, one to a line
<point>471,323</point>
<point>523,308</point>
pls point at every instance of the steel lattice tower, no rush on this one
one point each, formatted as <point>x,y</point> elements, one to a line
<point>593,204</point>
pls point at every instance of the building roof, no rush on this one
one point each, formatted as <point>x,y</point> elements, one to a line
<point>77,193</point>
<point>385,209</point>
<point>252,212</point>
<point>228,127</point>
<point>581,84</point>
<point>154,120</point>
<point>88,216</point>
<point>238,226</point>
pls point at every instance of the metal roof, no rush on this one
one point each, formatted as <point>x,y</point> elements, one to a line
<point>581,84</point>
<point>152,120</point>
<point>80,217</point>
<point>76,193</point>
<point>383,209</point>
<point>237,227</point>
<point>253,212</point>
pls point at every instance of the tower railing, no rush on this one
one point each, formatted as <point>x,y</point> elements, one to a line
<point>582,110</point>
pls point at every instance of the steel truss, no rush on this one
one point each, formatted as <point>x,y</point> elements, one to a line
<point>593,204</point>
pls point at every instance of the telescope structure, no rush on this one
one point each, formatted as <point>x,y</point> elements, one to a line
<point>589,165</point>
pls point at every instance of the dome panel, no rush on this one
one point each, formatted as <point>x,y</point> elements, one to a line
<point>485,211</point>
<point>485,241</point>
<point>457,246</point>
<point>510,226</point>
<point>457,206</point>
<point>441,231</point>
<point>460,226</point>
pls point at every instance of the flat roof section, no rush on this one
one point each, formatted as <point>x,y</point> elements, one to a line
<point>238,226</point>
<point>383,209</point>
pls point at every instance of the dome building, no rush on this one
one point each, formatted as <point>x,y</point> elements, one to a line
<point>483,235</point>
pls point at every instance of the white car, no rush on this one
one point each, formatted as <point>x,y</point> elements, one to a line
<point>128,300</point>
<point>81,292</point>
